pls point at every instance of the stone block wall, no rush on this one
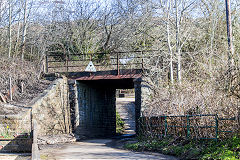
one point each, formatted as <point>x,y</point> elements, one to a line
<point>146,94</point>
<point>12,126</point>
<point>14,120</point>
<point>143,94</point>
<point>51,109</point>
<point>15,128</point>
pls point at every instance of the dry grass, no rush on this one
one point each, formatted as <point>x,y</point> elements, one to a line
<point>26,81</point>
<point>204,90</point>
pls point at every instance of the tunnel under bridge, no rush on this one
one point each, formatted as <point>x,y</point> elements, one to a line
<point>94,108</point>
<point>93,94</point>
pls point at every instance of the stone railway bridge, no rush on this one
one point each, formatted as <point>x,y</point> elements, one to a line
<point>93,92</point>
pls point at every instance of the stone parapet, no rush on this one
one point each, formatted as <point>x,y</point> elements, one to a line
<point>51,109</point>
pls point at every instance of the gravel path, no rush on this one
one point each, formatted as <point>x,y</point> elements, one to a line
<point>126,109</point>
<point>96,149</point>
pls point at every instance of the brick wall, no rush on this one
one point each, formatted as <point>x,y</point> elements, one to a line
<point>97,111</point>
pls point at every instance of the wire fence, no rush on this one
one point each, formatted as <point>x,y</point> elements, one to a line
<point>188,126</point>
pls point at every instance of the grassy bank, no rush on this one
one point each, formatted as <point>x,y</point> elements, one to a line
<point>228,149</point>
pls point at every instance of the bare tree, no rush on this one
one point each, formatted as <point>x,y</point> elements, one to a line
<point>229,35</point>
<point>169,7</point>
<point>178,49</point>
<point>18,34</point>
<point>24,30</point>
<point>1,5</point>
<point>10,29</point>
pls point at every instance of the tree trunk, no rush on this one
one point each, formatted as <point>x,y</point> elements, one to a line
<point>229,35</point>
<point>178,49</point>
<point>1,1</point>
<point>24,30</point>
<point>10,29</point>
<point>169,41</point>
<point>18,34</point>
<point>214,20</point>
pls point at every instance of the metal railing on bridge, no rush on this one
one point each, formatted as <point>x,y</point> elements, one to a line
<point>68,62</point>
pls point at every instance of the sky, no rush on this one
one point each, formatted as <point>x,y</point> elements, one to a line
<point>42,9</point>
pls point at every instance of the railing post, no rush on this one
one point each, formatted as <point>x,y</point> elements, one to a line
<point>188,127</point>
<point>67,61</point>
<point>118,71</point>
<point>66,58</point>
<point>216,127</point>
<point>165,120</point>
<point>46,63</point>
<point>10,88</point>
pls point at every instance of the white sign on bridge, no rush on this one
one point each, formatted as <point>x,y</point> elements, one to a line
<point>90,67</point>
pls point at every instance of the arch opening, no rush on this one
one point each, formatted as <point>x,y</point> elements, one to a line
<point>96,106</point>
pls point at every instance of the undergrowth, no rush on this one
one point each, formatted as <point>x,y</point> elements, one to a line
<point>119,124</point>
<point>26,80</point>
<point>228,149</point>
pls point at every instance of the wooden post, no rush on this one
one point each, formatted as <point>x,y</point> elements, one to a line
<point>142,61</point>
<point>46,64</point>
<point>10,88</point>
<point>66,58</point>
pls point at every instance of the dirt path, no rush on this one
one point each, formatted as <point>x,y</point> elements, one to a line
<point>96,149</point>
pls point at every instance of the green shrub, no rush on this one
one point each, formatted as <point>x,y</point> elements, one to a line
<point>119,124</point>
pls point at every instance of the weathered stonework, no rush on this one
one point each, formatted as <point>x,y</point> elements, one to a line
<point>93,109</point>
<point>138,101</point>
<point>15,128</point>
<point>51,109</point>
<point>15,123</point>
<point>146,94</point>
<point>143,94</point>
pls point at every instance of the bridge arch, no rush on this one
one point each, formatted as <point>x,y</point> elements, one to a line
<point>95,108</point>
<point>92,95</point>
